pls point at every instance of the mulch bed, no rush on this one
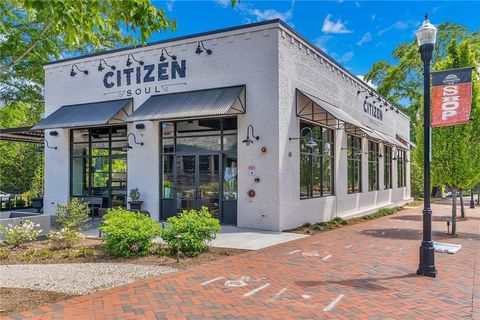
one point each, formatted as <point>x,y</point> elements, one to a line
<point>29,255</point>
<point>17,300</point>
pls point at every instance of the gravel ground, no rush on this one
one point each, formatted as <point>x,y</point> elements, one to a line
<point>75,278</point>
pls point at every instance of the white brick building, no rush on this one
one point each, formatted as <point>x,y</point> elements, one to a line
<point>192,114</point>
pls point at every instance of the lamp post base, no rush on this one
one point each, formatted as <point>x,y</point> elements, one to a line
<point>427,260</point>
<point>472,204</point>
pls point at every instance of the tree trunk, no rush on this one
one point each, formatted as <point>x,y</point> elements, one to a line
<point>462,207</point>
<point>478,194</point>
<point>454,212</point>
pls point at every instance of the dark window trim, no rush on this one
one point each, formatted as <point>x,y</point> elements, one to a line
<point>373,160</point>
<point>356,160</point>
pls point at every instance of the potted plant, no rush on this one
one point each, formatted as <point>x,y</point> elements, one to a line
<point>37,203</point>
<point>135,204</point>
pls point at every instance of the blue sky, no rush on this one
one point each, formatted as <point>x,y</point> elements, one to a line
<point>355,33</point>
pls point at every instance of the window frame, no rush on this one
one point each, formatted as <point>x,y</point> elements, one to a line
<point>321,156</point>
<point>401,168</point>
<point>354,155</point>
<point>373,165</point>
<point>387,167</point>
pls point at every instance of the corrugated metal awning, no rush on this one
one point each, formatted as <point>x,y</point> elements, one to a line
<point>192,104</point>
<point>321,111</point>
<point>388,139</point>
<point>404,141</point>
<point>86,115</point>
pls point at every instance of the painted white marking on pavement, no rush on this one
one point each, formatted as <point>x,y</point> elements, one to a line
<point>332,304</point>
<point>294,251</point>
<point>349,246</point>
<point>383,233</point>
<point>210,281</point>
<point>306,296</point>
<point>278,295</point>
<point>310,254</point>
<point>326,257</point>
<point>254,291</point>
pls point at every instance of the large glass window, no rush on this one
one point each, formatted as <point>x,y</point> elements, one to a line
<point>387,167</point>
<point>373,166</point>
<point>99,164</point>
<point>199,163</point>
<point>316,163</point>
<point>401,172</point>
<point>354,164</point>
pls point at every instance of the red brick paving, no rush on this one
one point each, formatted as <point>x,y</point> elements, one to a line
<point>370,273</point>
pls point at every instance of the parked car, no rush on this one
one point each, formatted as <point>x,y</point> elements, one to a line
<point>5,196</point>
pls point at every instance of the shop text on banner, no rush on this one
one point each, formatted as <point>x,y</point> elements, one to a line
<point>451,97</point>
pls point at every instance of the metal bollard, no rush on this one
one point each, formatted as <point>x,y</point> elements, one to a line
<point>448,227</point>
<point>178,237</point>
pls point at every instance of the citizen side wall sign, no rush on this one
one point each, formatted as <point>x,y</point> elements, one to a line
<point>451,97</point>
<point>134,79</point>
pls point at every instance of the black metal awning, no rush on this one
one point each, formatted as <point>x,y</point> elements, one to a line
<point>205,103</point>
<point>87,115</point>
<point>22,134</point>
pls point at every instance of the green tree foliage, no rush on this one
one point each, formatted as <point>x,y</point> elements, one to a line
<point>456,149</point>
<point>401,79</point>
<point>33,32</point>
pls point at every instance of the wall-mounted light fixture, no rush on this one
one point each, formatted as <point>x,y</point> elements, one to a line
<point>129,62</point>
<point>201,48</point>
<point>73,73</point>
<point>127,146</point>
<point>53,133</point>
<point>40,149</point>
<point>310,143</point>
<point>163,58</point>
<point>101,67</point>
<point>247,140</point>
<point>140,126</point>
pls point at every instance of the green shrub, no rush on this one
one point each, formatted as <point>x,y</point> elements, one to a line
<point>128,233</point>
<point>43,254</point>
<point>64,238</point>
<point>85,252</point>
<point>27,256</point>
<point>73,215</point>
<point>18,235</point>
<point>4,254</point>
<point>19,202</point>
<point>196,230</point>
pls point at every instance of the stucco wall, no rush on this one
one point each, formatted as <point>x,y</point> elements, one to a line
<point>239,57</point>
<point>302,67</point>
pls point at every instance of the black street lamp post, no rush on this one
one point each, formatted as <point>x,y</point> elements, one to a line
<point>426,40</point>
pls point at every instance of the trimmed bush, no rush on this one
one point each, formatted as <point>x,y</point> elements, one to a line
<point>17,236</point>
<point>73,215</point>
<point>4,254</point>
<point>128,233</point>
<point>195,228</point>
<point>64,238</point>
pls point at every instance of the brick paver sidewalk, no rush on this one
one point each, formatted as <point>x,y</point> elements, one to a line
<point>366,271</point>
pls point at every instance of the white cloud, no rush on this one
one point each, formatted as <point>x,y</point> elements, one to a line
<point>373,17</point>
<point>321,42</point>
<point>330,26</point>
<point>344,58</point>
<point>357,4</point>
<point>224,3</point>
<point>367,37</point>
<point>170,4</point>
<point>399,25</point>
<point>253,14</point>
<point>370,83</point>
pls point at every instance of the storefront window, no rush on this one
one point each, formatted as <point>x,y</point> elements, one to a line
<point>99,165</point>
<point>401,172</point>
<point>199,164</point>
<point>387,167</point>
<point>373,166</point>
<point>354,164</point>
<point>316,163</point>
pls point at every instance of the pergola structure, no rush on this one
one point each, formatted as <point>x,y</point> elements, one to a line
<point>22,134</point>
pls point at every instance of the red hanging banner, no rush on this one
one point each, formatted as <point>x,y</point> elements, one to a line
<point>451,97</point>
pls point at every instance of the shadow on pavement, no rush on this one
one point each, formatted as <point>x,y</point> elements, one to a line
<point>416,234</point>
<point>419,217</point>
<point>361,284</point>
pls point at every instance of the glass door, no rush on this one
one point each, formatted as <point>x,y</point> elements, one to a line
<point>208,183</point>
<point>186,187</point>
